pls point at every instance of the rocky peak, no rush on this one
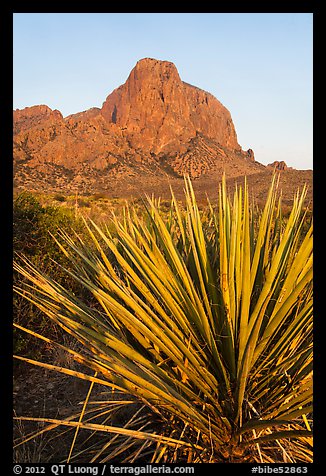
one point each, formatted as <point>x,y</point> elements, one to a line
<point>153,69</point>
<point>84,115</point>
<point>251,155</point>
<point>278,165</point>
<point>158,111</point>
<point>153,125</point>
<point>29,117</point>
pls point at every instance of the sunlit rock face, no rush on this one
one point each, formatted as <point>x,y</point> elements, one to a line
<point>154,124</point>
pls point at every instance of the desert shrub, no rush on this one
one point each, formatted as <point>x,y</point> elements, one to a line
<point>84,203</point>
<point>204,320</point>
<point>99,196</point>
<point>34,226</point>
<point>59,198</point>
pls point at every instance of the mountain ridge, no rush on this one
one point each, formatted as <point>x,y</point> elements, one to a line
<point>153,128</point>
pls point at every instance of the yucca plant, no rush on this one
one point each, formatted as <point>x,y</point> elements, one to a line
<point>203,321</point>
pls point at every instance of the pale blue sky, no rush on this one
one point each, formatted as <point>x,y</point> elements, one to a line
<point>259,65</point>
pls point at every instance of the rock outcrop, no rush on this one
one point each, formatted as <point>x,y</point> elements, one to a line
<point>159,112</point>
<point>278,165</point>
<point>154,124</point>
<point>35,116</point>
